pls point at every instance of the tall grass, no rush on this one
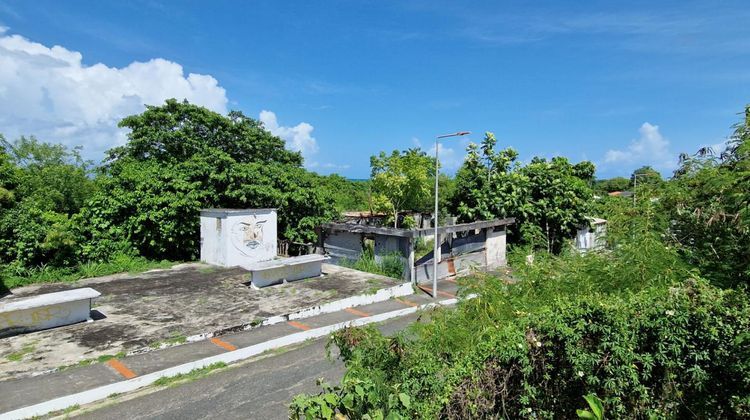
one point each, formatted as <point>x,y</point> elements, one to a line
<point>120,263</point>
<point>390,265</point>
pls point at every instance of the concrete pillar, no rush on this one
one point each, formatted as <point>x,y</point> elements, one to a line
<point>409,272</point>
<point>495,248</point>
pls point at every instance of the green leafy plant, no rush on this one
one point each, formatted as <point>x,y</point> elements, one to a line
<point>596,411</point>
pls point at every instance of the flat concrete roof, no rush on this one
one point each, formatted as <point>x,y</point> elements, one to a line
<point>412,233</point>
<point>232,212</point>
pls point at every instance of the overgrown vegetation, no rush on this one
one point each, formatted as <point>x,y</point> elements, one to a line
<point>654,327</point>
<point>62,218</point>
<point>401,180</point>
<point>390,265</point>
<point>549,199</point>
<point>649,340</point>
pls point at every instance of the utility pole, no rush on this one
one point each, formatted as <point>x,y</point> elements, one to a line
<point>436,252</point>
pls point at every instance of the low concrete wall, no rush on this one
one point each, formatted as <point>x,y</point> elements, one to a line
<point>267,273</point>
<point>46,311</point>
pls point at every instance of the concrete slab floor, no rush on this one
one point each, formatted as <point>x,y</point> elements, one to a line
<point>37,389</point>
<point>166,306</point>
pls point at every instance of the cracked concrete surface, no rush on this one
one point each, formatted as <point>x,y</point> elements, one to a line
<point>165,306</point>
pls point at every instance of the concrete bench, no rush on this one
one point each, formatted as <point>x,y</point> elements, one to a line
<point>267,273</point>
<point>46,311</point>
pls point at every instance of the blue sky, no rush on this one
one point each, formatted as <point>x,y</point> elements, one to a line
<point>619,83</point>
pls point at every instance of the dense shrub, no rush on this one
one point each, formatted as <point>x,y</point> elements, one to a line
<point>708,205</point>
<point>634,325</point>
<point>43,186</point>
<point>665,352</point>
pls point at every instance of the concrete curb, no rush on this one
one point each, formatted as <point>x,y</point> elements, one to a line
<point>381,295</point>
<point>102,392</point>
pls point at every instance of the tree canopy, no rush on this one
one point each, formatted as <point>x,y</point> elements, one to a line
<point>180,158</point>
<point>402,180</point>
<point>549,199</point>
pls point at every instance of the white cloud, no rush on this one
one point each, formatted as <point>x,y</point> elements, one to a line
<point>298,138</point>
<point>450,158</point>
<point>50,93</point>
<point>651,148</point>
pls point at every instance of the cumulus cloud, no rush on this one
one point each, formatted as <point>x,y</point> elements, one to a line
<point>451,158</point>
<point>50,93</point>
<point>651,148</point>
<point>298,138</point>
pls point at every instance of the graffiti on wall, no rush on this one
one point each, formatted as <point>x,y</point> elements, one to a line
<point>247,234</point>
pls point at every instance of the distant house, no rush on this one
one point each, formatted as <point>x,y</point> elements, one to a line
<point>592,237</point>
<point>625,194</point>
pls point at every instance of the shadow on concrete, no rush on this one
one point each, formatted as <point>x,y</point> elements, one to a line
<point>96,315</point>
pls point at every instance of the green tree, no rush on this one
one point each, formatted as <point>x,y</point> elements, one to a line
<point>613,184</point>
<point>708,203</point>
<point>645,175</point>
<point>560,199</point>
<point>8,176</point>
<point>549,199</point>
<point>348,194</point>
<point>402,180</point>
<point>49,183</point>
<point>488,184</point>
<point>180,158</point>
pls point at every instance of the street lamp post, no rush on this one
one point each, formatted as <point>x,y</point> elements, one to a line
<point>436,252</point>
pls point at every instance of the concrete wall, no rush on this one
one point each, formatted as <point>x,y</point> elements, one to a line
<point>290,269</point>
<point>448,267</point>
<point>467,245</point>
<point>591,238</point>
<point>341,245</point>
<point>231,238</point>
<point>495,248</point>
<point>46,311</point>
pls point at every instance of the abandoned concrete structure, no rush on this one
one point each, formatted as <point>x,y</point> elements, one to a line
<point>593,236</point>
<point>247,238</point>
<point>463,246</point>
<point>231,237</point>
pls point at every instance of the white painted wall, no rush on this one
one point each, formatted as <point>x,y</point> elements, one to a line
<point>495,248</point>
<point>47,311</point>
<point>268,273</point>
<point>231,238</point>
<point>594,237</point>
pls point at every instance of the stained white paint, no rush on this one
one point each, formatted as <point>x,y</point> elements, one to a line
<point>267,273</point>
<point>47,311</point>
<point>230,238</point>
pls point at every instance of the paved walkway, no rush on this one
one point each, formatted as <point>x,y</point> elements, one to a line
<point>261,389</point>
<point>25,392</point>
